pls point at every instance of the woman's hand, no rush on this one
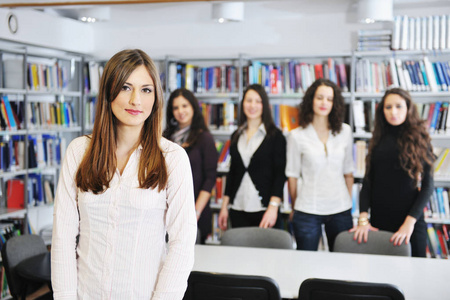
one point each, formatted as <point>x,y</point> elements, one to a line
<point>270,217</point>
<point>362,232</point>
<point>404,232</point>
<point>223,218</point>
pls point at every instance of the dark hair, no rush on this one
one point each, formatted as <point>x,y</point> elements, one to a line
<point>266,113</point>
<point>198,123</point>
<point>336,116</point>
<point>414,142</point>
<point>99,162</point>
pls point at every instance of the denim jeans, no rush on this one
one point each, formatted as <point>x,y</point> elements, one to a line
<point>308,228</point>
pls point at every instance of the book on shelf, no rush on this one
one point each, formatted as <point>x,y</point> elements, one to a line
<point>224,157</point>
<point>442,243</point>
<point>15,193</point>
<point>437,207</point>
<point>433,242</point>
<point>359,156</point>
<point>285,117</point>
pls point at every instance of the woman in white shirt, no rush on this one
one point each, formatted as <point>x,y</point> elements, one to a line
<point>120,190</point>
<point>320,166</point>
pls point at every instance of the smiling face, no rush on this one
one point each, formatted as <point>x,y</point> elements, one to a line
<point>395,109</point>
<point>252,105</point>
<point>134,103</point>
<point>183,111</point>
<point>323,101</point>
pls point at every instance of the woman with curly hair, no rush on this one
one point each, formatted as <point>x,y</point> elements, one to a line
<point>398,162</point>
<point>320,167</point>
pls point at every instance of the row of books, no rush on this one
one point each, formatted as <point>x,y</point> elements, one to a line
<point>221,116</point>
<point>411,75</point>
<point>41,115</point>
<point>294,76</point>
<point>92,72</point>
<point>42,77</point>
<point>438,206</point>
<point>438,241</point>
<point>44,150</point>
<point>213,79</point>
<point>442,163</point>
<point>374,40</point>
<point>421,33</point>
<point>39,189</point>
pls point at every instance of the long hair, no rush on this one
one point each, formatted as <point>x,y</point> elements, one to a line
<point>414,142</point>
<point>198,122</point>
<point>266,113</point>
<point>336,116</point>
<point>99,162</point>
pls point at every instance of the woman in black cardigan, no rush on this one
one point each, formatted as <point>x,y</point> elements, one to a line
<point>254,184</point>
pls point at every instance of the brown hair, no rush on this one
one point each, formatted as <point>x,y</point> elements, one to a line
<point>99,162</point>
<point>336,116</point>
<point>414,142</point>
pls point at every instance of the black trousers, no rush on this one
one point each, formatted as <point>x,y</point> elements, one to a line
<point>249,219</point>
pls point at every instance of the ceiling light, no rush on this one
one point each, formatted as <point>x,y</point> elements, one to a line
<point>228,11</point>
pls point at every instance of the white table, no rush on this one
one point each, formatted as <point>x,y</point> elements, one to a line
<point>419,278</point>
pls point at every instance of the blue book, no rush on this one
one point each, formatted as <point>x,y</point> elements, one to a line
<point>436,75</point>
<point>446,72</point>
<point>441,205</point>
<point>434,120</point>
<point>444,84</point>
<point>424,75</point>
<point>9,112</point>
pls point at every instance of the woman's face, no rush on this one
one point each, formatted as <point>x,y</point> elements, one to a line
<point>183,111</point>
<point>134,103</point>
<point>323,101</point>
<point>252,105</point>
<point>395,109</point>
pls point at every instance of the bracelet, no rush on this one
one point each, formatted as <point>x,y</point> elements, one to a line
<point>363,221</point>
<point>274,203</point>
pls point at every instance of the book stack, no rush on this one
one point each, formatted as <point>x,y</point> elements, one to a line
<point>421,33</point>
<point>374,40</point>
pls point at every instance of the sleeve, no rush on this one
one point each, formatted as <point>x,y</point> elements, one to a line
<point>293,156</point>
<point>229,183</point>
<point>209,163</point>
<point>279,160</point>
<point>366,191</point>
<point>181,225</point>
<point>348,160</point>
<point>65,230</point>
<point>426,190</point>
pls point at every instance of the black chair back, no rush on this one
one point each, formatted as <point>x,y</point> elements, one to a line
<point>214,286</point>
<point>15,250</point>
<point>326,289</point>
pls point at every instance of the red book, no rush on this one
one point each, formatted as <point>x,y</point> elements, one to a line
<point>443,244</point>
<point>318,70</point>
<point>15,193</point>
<point>224,151</point>
<point>219,187</point>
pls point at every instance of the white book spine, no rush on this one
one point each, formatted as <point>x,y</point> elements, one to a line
<point>430,33</point>
<point>401,75</point>
<point>396,33</point>
<point>448,32</point>
<point>430,75</point>
<point>405,34</point>
<point>412,33</point>
<point>394,73</point>
<point>418,34</point>
<point>435,32</point>
<point>424,35</point>
<point>443,32</point>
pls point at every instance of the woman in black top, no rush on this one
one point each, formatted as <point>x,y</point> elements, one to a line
<point>185,126</point>
<point>399,160</point>
<point>255,181</point>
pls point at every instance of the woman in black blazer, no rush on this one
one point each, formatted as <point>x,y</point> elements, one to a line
<point>255,182</point>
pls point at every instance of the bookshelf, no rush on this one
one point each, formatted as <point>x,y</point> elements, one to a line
<point>40,90</point>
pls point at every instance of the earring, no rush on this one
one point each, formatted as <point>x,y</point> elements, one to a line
<point>173,122</point>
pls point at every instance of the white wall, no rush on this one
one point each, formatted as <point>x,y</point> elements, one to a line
<point>37,28</point>
<point>270,28</point>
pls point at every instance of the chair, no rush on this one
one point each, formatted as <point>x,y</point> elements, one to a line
<point>377,243</point>
<point>257,237</point>
<point>15,250</point>
<point>325,289</point>
<point>214,286</point>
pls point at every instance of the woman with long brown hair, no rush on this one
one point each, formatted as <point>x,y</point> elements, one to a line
<point>399,160</point>
<point>120,190</point>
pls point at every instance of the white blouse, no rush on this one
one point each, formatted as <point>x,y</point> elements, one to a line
<point>320,169</point>
<point>122,253</point>
<point>247,196</point>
